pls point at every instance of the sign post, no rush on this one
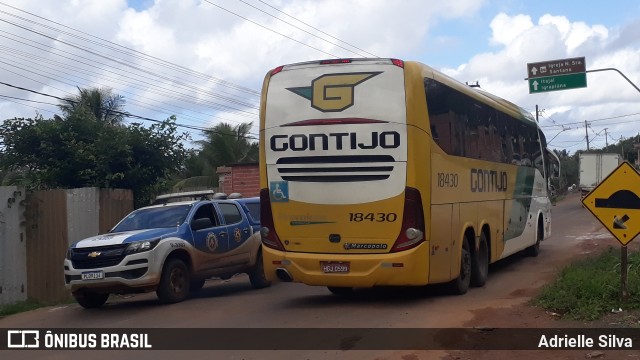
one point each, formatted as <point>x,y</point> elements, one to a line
<point>615,202</point>
<point>553,75</point>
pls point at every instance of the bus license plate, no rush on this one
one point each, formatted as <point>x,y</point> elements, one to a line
<point>334,267</point>
<point>92,275</point>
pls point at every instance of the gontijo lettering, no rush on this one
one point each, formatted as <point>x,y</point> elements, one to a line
<point>488,181</point>
<point>337,141</point>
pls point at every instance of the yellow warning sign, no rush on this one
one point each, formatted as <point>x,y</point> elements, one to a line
<point>616,203</point>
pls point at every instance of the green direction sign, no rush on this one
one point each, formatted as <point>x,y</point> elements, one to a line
<point>558,82</point>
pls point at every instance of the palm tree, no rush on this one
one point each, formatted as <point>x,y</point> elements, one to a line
<point>224,144</point>
<point>100,102</point>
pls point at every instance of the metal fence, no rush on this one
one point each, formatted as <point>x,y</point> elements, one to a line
<point>41,225</point>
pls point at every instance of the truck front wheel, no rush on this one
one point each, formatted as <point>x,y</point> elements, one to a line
<point>89,299</point>
<point>174,282</point>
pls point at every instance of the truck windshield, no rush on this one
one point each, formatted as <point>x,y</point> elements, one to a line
<point>153,218</point>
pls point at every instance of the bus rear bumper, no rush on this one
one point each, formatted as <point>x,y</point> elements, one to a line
<point>406,268</point>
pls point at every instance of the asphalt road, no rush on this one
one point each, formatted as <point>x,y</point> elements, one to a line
<point>234,304</point>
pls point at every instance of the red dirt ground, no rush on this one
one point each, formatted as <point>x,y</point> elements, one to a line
<point>528,316</point>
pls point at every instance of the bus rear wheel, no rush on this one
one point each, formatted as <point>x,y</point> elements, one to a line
<point>460,285</point>
<point>534,249</point>
<point>480,263</point>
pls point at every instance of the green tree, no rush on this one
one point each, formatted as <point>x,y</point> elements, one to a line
<point>569,172</point>
<point>79,151</point>
<point>226,144</point>
<point>101,103</point>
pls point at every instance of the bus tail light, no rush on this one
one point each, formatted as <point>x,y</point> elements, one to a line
<point>398,63</point>
<point>277,70</point>
<point>412,232</point>
<point>267,230</point>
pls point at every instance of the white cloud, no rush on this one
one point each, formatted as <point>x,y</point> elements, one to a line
<point>506,28</point>
<point>575,34</point>
<point>520,42</point>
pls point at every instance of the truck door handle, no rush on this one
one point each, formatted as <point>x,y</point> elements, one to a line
<point>246,231</point>
<point>223,233</point>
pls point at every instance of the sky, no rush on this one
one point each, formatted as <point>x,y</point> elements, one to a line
<point>204,60</point>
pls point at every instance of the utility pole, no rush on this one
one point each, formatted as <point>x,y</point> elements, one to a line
<point>537,112</point>
<point>606,137</point>
<point>586,131</point>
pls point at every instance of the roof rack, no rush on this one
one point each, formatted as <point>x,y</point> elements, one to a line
<point>184,196</point>
<point>194,195</point>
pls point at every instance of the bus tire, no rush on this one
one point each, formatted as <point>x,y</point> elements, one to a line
<point>340,290</point>
<point>460,285</point>
<point>174,282</point>
<point>257,276</point>
<point>534,249</point>
<point>480,263</point>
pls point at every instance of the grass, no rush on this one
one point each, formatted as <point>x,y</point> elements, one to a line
<point>590,288</point>
<point>20,306</point>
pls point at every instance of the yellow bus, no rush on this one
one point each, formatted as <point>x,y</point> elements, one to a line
<point>388,172</point>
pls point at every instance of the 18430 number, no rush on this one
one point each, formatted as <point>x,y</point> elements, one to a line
<point>447,180</point>
<point>377,217</point>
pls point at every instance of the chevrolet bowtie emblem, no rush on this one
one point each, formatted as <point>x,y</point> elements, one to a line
<point>94,254</point>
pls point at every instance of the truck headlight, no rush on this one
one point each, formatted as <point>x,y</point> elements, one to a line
<point>141,246</point>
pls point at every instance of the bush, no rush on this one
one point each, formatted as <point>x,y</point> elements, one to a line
<point>589,288</point>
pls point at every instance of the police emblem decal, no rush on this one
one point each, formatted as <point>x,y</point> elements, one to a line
<point>212,242</point>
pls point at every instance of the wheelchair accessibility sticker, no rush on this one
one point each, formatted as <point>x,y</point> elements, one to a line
<point>279,191</point>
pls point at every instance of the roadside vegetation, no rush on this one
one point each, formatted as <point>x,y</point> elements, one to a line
<point>590,288</point>
<point>94,142</point>
<point>20,306</point>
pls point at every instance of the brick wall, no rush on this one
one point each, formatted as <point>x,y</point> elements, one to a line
<point>240,178</point>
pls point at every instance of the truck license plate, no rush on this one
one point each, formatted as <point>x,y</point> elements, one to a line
<point>92,275</point>
<point>335,266</point>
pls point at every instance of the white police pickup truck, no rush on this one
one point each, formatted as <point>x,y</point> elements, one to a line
<point>169,248</point>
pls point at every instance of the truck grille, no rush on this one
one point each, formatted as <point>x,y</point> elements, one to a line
<point>97,257</point>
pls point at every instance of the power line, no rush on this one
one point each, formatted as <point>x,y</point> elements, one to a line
<point>121,62</point>
<point>601,119</point>
<point>149,106</point>
<point>315,28</point>
<point>125,114</point>
<point>9,98</point>
<point>268,28</point>
<point>33,101</point>
<point>301,29</point>
<point>91,64</point>
<point>154,90</point>
<point>133,52</point>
